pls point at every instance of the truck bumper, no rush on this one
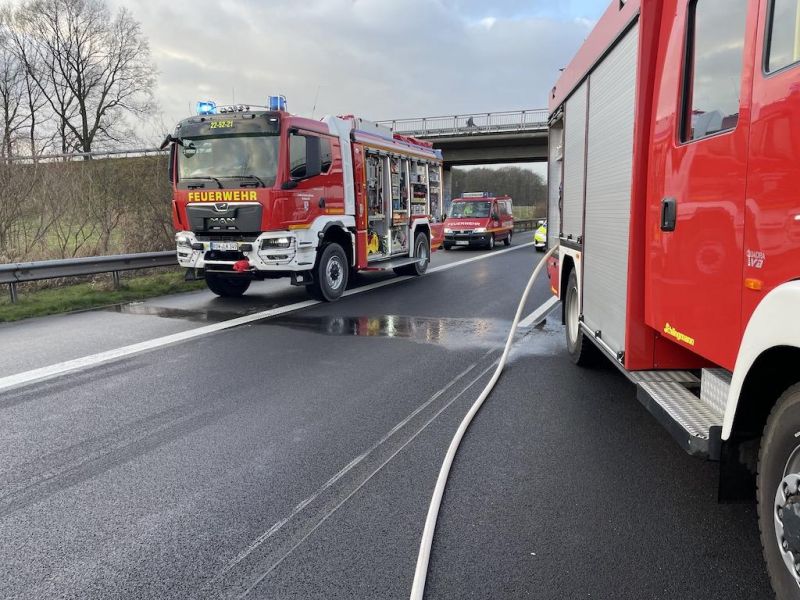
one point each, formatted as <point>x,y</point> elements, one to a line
<point>271,252</point>
<point>472,239</point>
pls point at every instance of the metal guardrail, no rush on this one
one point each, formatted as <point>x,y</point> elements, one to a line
<point>476,123</point>
<point>96,154</point>
<point>15,273</point>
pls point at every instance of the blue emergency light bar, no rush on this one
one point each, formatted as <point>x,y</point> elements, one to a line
<point>276,102</point>
<point>206,107</point>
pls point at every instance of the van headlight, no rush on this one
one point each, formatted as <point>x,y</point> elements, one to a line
<point>448,230</point>
<point>479,230</point>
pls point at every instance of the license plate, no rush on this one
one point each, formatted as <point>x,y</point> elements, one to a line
<point>234,246</point>
<point>462,243</point>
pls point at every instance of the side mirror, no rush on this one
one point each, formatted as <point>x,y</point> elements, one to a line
<point>313,156</point>
<point>289,185</point>
<point>171,165</point>
<point>495,217</point>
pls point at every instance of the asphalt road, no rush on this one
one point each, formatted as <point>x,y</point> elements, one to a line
<point>295,458</point>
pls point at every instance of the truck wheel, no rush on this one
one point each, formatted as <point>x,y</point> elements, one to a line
<point>421,249</point>
<point>507,241</point>
<point>330,274</point>
<point>227,287</point>
<point>779,495</point>
<point>490,243</point>
<point>582,350</point>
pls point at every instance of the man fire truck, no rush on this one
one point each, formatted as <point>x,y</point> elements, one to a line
<point>262,194</point>
<point>675,205</point>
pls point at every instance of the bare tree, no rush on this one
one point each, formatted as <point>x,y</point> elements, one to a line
<point>13,114</point>
<point>93,69</point>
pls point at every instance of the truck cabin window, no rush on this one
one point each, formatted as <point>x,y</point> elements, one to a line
<point>783,36</point>
<point>713,75</point>
<point>470,210</point>
<point>250,157</point>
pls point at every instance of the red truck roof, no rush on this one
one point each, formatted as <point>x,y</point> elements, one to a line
<point>613,22</point>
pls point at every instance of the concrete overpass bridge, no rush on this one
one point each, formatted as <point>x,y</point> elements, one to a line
<point>481,138</point>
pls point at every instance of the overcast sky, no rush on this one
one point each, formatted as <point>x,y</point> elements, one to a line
<point>378,59</point>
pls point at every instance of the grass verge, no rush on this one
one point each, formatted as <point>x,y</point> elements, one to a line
<point>37,303</point>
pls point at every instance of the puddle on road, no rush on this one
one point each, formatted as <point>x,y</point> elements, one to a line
<point>546,339</point>
<point>451,333</point>
<point>199,315</point>
<point>448,332</point>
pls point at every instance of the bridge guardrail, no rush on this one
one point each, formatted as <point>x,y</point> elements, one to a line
<point>498,122</point>
<point>15,273</point>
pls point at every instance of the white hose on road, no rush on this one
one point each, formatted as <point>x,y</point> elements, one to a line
<point>421,573</point>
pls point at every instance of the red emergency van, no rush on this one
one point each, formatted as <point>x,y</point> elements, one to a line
<point>479,219</point>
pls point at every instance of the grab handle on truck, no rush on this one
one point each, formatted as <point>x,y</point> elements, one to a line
<point>669,214</point>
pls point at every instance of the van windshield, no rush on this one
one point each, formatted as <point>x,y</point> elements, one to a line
<point>474,210</point>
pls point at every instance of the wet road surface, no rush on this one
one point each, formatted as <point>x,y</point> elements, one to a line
<point>39,342</point>
<point>295,458</point>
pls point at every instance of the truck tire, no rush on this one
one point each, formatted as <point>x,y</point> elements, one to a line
<point>490,243</point>
<point>582,351</point>
<point>779,494</point>
<point>227,287</point>
<point>421,248</point>
<point>330,274</point>
<point>507,241</point>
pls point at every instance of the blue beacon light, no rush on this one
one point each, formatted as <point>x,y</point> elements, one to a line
<point>206,107</point>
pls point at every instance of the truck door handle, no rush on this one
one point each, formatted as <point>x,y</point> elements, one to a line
<point>669,214</point>
<point>322,202</point>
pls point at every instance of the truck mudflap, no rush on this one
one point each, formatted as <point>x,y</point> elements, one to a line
<point>437,235</point>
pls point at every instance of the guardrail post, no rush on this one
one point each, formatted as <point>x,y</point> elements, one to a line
<point>13,289</point>
<point>115,279</point>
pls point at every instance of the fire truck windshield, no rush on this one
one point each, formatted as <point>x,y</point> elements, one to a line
<point>466,210</point>
<point>250,157</point>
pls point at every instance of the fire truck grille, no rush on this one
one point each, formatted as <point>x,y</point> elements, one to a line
<point>223,219</point>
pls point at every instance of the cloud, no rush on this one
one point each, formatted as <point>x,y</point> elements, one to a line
<point>375,58</point>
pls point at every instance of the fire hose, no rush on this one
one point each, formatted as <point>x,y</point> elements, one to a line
<point>423,558</point>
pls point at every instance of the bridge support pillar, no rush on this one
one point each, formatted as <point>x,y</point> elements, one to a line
<point>447,188</point>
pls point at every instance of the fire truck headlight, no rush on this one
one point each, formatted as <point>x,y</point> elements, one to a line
<point>183,240</point>
<point>480,230</point>
<point>448,230</point>
<point>281,242</point>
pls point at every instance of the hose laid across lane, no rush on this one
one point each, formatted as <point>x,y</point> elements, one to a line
<point>421,572</point>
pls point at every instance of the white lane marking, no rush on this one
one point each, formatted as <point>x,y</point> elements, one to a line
<point>305,502</point>
<point>491,254</point>
<point>92,360</point>
<point>327,515</point>
<point>540,312</point>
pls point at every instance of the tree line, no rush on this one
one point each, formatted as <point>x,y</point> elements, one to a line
<point>73,77</point>
<point>528,189</point>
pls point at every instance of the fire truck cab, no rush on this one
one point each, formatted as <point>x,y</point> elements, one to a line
<point>675,206</point>
<point>260,193</point>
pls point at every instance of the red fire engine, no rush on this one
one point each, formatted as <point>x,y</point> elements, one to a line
<point>675,204</point>
<point>263,194</point>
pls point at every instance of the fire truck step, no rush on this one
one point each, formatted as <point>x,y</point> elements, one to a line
<point>388,265</point>
<point>694,423</point>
